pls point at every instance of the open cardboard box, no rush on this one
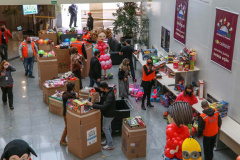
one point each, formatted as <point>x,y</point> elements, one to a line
<point>55,106</point>
<point>50,36</point>
<point>134,141</point>
<point>45,47</point>
<point>50,91</point>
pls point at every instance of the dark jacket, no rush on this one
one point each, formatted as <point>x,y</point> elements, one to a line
<point>121,74</point>
<point>95,68</point>
<point>7,80</point>
<point>201,123</point>
<point>108,108</point>
<point>90,22</point>
<point>67,95</point>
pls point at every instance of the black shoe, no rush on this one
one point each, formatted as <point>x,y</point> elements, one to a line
<point>122,98</point>
<point>4,103</point>
<point>11,107</point>
<point>143,107</point>
<point>31,76</point>
<point>150,105</point>
<point>26,73</point>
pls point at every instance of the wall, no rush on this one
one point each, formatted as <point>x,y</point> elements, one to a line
<point>200,27</point>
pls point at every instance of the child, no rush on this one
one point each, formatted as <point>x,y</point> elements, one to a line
<point>123,82</point>
<point>208,125</point>
<point>69,94</point>
<point>6,83</point>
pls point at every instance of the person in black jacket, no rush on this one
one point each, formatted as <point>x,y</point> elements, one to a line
<point>73,10</point>
<point>90,21</point>
<point>69,94</point>
<point>108,110</point>
<point>95,70</point>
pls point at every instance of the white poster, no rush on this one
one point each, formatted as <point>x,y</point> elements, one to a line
<point>91,136</point>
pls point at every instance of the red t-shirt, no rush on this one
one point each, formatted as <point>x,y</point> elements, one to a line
<point>191,100</point>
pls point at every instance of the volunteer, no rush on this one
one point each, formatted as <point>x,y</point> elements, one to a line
<point>80,46</point>
<point>86,36</point>
<point>187,95</point>
<point>108,110</point>
<point>4,35</point>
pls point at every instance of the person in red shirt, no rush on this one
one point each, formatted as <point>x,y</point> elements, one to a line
<point>187,95</point>
<point>4,34</point>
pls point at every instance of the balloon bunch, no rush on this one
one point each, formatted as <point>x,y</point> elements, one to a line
<point>46,41</point>
<point>104,59</point>
<point>175,138</point>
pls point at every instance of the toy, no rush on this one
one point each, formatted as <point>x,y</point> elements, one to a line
<point>148,53</point>
<point>72,39</point>
<point>171,56</point>
<point>154,95</point>
<point>40,41</point>
<point>41,52</point>
<point>191,65</point>
<point>180,66</point>
<point>140,93</point>
<point>191,149</point>
<point>110,75</point>
<point>67,40</point>
<point>175,64</point>
<point>186,67</point>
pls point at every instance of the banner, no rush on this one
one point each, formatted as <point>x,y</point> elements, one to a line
<point>224,38</point>
<point>180,21</point>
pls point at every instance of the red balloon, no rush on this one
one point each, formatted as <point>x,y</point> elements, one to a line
<point>169,132</point>
<point>170,125</point>
<point>179,155</point>
<point>180,143</point>
<point>168,154</point>
<point>169,143</point>
<point>105,67</point>
<point>40,41</point>
<point>238,158</point>
<point>175,143</point>
<point>178,139</point>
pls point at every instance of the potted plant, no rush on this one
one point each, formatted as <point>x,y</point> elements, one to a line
<point>126,20</point>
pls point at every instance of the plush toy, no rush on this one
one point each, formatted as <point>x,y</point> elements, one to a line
<point>17,150</point>
<point>191,149</point>
<point>154,95</point>
<point>99,35</point>
<point>180,116</point>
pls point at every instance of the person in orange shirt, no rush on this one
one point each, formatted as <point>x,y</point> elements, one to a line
<point>4,35</point>
<point>86,36</point>
<point>209,124</point>
<point>148,81</point>
<point>80,46</point>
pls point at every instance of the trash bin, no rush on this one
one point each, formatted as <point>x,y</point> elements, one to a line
<point>123,108</point>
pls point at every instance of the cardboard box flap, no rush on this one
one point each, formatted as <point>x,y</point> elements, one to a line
<point>133,132</point>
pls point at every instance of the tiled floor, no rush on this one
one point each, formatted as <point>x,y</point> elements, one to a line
<point>32,122</point>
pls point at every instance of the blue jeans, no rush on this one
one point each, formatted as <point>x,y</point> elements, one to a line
<point>92,81</point>
<point>28,65</point>
<point>107,129</point>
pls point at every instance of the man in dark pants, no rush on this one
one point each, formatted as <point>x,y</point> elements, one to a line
<point>90,21</point>
<point>208,125</point>
<point>95,70</point>
<point>73,10</point>
<point>4,35</point>
<point>127,52</point>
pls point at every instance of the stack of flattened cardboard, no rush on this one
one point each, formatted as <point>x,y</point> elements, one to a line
<point>86,63</point>
<point>134,141</point>
<point>50,91</point>
<point>55,106</point>
<point>47,69</point>
<point>63,60</point>
<point>84,133</point>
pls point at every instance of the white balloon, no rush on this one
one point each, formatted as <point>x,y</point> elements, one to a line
<point>103,63</point>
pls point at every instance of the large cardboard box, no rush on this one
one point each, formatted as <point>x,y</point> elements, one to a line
<point>84,133</point>
<point>50,91</point>
<point>63,60</point>
<point>55,106</point>
<point>51,36</point>
<point>47,69</point>
<point>45,47</point>
<point>77,84</point>
<point>134,141</point>
<point>86,63</point>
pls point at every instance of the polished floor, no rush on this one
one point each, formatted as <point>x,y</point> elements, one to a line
<point>32,122</point>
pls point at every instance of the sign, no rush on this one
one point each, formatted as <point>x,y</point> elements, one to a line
<point>224,38</point>
<point>30,9</point>
<point>91,136</point>
<point>53,2</point>
<point>180,21</point>
<point>165,39</point>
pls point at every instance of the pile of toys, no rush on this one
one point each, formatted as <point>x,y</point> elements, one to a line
<point>154,96</point>
<point>44,41</point>
<point>58,95</point>
<point>78,105</point>
<point>167,99</point>
<point>221,106</point>
<point>54,83</point>
<point>48,31</point>
<point>135,122</point>
<point>136,91</point>
<point>148,53</point>
<point>42,53</point>
<point>68,76</point>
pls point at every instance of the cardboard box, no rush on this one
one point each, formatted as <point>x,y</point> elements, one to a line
<point>51,36</point>
<point>134,141</point>
<point>201,89</point>
<point>55,106</point>
<point>68,32</point>
<point>88,48</point>
<point>63,60</point>
<point>47,69</point>
<point>50,91</point>
<point>84,133</point>
<point>45,47</point>
<point>77,84</point>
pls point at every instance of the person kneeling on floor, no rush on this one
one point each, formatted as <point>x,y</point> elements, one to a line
<point>108,110</point>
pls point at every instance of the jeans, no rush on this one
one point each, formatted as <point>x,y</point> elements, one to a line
<point>73,18</point>
<point>78,74</point>
<point>132,70</point>
<point>106,127</point>
<point>7,91</point>
<point>4,47</point>
<point>92,81</point>
<point>208,146</point>
<point>28,65</point>
<point>64,135</point>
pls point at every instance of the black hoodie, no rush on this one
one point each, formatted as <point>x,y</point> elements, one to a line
<point>95,68</point>
<point>201,123</point>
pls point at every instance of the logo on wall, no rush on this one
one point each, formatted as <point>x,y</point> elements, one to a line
<point>181,10</point>
<point>224,28</point>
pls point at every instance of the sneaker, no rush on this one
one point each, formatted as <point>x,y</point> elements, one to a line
<point>150,105</point>
<point>143,107</point>
<point>4,103</point>
<point>31,76</point>
<point>104,143</point>
<point>26,73</point>
<point>11,107</point>
<point>108,147</point>
<point>63,143</point>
